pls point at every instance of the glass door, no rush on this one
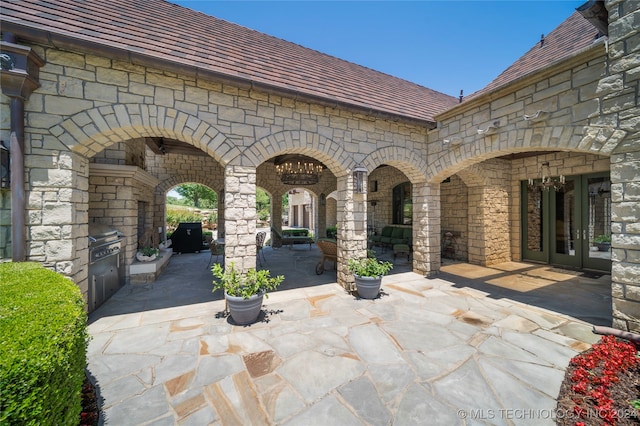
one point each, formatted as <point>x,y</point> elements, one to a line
<point>565,225</point>
<point>534,228</point>
<point>597,229</point>
<point>570,226</point>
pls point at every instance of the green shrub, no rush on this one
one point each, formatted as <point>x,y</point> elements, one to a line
<point>332,232</point>
<point>175,215</point>
<point>43,345</point>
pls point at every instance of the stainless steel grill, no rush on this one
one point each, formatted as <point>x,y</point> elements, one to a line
<point>106,264</point>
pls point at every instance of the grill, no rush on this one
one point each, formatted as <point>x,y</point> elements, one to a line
<point>106,264</point>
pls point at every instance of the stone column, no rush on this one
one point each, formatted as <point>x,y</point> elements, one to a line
<point>58,202</point>
<point>488,227</point>
<point>352,229</point>
<point>625,241</point>
<point>426,228</point>
<point>625,163</point>
<point>240,217</point>
<point>488,213</point>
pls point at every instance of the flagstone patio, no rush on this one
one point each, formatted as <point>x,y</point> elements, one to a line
<point>465,346</point>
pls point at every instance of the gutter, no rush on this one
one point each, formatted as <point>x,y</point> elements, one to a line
<point>63,42</point>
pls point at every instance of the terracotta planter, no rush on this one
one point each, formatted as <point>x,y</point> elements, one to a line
<point>245,311</point>
<point>368,287</point>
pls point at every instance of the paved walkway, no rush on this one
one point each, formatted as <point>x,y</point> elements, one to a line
<point>428,351</point>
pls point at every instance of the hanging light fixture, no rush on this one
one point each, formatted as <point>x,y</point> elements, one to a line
<point>546,181</point>
<point>298,169</point>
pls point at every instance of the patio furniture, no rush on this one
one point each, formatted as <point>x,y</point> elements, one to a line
<point>401,249</point>
<point>392,234</point>
<point>329,250</point>
<point>217,249</point>
<point>260,237</point>
<point>289,237</point>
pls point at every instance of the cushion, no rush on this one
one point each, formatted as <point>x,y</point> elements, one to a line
<point>397,233</point>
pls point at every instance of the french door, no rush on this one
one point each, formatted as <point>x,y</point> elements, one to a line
<point>561,226</point>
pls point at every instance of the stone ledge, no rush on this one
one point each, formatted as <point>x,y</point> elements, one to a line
<point>144,272</point>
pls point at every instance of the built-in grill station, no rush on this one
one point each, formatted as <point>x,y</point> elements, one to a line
<point>106,264</point>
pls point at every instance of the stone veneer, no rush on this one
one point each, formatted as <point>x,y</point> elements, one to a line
<point>91,110</point>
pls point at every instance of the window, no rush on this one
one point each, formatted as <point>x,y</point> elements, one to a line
<point>402,204</point>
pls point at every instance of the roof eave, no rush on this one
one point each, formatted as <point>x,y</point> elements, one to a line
<point>581,56</point>
<point>60,41</point>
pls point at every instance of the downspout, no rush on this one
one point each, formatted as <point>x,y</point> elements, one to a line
<point>18,206</point>
<point>19,73</point>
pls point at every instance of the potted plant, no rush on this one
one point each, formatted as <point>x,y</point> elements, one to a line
<point>368,273</point>
<point>603,242</point>
<point>147,254</point>
<point>244,292</point>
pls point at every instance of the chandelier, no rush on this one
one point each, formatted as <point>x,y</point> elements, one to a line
<point>298,169</point>
<point>546,181</point>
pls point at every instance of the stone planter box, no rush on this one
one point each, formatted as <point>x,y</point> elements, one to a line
<point>144,272</point>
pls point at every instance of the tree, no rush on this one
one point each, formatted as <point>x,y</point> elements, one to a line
<point>263,204</point>
<point>198,195</point>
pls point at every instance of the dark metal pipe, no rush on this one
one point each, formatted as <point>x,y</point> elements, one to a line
<point>18,211</point>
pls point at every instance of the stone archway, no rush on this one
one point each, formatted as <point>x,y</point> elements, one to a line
<point>84,140</point>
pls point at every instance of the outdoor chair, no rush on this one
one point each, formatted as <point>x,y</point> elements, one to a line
<point>216,250</point>
<point>329,250</point>
<point>260,237</point>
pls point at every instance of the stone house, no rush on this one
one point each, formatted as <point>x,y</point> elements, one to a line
<point>106,106</point>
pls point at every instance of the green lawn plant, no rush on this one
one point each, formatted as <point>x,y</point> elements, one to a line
<point>369,267</point>
<point>234,283</point>
<point>43,344</point>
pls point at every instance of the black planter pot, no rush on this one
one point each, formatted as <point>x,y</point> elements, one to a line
<point>245,311</point>
<point>368,287</point>
<point>604,246</point>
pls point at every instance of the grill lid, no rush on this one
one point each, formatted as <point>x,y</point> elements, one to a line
<point>102,232</point>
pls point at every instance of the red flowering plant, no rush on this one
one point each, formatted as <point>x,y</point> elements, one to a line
<point>594,374</point>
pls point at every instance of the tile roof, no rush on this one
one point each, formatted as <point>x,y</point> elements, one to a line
<point>178,35</point>
<point>571,36</point>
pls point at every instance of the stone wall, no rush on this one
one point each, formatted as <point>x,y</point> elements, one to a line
<point>454,201</point>
<point>621,88</point>
<point>122,198</point>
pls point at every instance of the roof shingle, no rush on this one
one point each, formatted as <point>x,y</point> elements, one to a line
<point>172,33</point>
<point>571,36</point>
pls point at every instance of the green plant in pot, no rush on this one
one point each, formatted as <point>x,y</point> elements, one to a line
<point>368,273</point>
<point>244,293</point>
<point>147,254</point>
<point>603,242</point>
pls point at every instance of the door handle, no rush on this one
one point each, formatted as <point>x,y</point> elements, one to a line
<point>584,234</point>
<point>577,234</point>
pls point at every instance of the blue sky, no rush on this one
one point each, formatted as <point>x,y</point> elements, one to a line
<point>444,45</point>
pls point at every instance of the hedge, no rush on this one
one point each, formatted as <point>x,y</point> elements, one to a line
<point>43,346</point>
